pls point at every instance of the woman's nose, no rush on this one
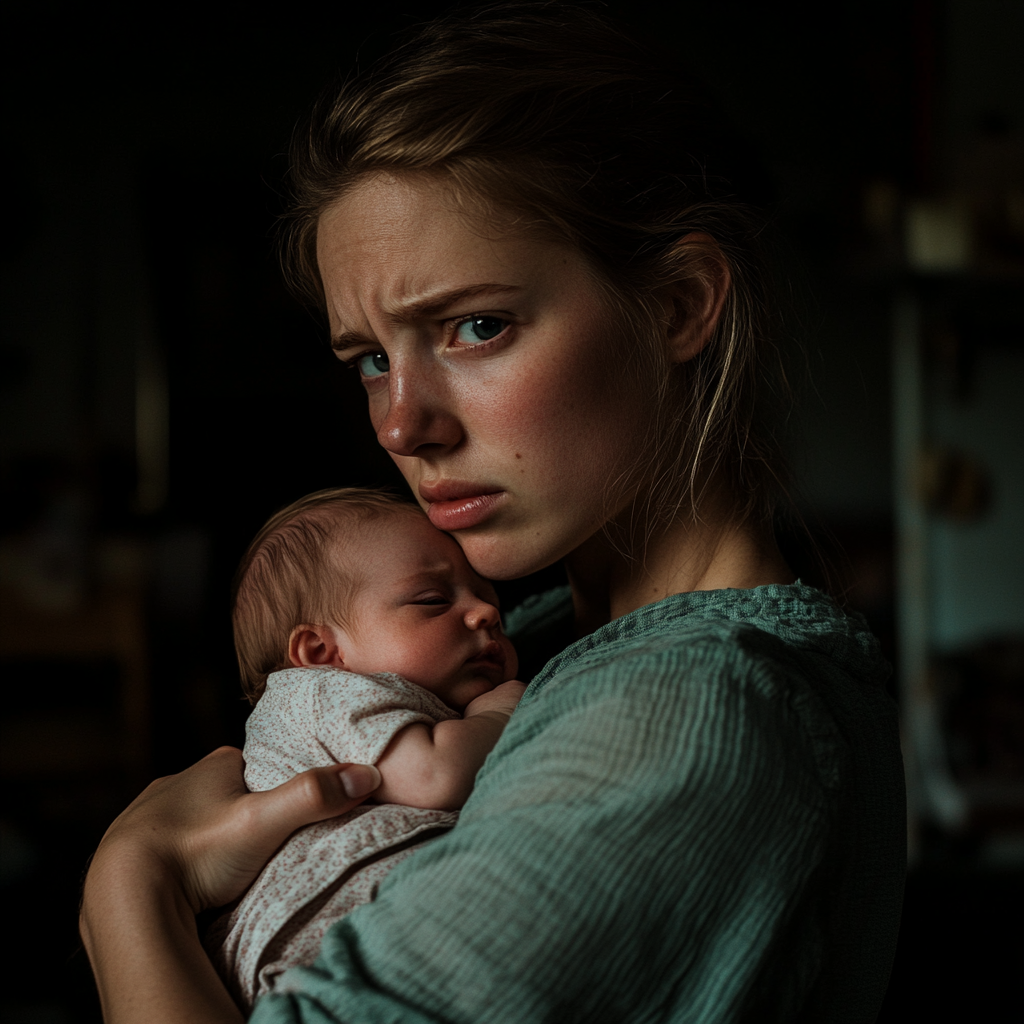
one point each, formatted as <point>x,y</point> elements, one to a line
<point>417,416</point>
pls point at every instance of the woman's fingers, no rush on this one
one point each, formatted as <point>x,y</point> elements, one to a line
<point>245,830</point>
<point>212,834</point>
<point>312,796</point>
<point>191,841</point>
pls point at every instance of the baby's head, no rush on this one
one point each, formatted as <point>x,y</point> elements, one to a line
<point>360,580</point>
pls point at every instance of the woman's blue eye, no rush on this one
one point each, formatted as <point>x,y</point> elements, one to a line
<point>480,328</point>
<point>373,364</point>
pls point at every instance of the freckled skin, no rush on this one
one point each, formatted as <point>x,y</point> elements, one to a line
<point>546,412</point>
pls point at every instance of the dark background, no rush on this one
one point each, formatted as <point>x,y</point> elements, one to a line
<point>163,394</point>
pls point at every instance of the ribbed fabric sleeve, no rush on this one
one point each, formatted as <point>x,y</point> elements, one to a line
<point>662,834</point>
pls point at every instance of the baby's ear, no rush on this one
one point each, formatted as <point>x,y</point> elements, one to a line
<point>315,645</point>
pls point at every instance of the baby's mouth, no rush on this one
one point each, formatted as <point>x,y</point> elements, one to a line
<point>492,654</point>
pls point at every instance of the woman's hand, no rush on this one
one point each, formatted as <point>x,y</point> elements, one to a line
<point>188,842</point>
<point>206,828</point>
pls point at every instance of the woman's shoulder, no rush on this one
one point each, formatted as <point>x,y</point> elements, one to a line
<point>791,625</point>
<point>782,667</point>
<point>784,661</point>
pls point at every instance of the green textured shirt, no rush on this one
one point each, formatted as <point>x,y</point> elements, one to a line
<point>696,814</point>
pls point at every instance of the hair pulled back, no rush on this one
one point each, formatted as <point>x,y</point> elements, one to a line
<point>552,117</point>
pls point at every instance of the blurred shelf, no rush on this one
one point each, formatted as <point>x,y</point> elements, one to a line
<point>951,612</point>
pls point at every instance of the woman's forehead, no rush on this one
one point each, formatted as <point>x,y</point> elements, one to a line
<point>400,213</point>
<point>401,199</point>
<point>393,245</point>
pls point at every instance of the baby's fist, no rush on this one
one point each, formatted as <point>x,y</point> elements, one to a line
<point>503,699</point>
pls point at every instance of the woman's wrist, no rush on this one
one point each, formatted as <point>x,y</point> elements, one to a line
<point>188,842</point>
<point>135,915</point>
<point>122,879</point>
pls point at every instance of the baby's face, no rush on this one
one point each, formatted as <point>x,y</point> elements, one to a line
<point>424,614</point>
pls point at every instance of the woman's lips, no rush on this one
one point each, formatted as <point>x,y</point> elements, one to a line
<point>454,506</point>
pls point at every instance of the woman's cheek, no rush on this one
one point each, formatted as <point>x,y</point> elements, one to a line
<point>526,407</point>
<point>569,423</point>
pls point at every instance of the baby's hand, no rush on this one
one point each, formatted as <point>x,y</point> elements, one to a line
<point>503,699</point>
<point>436,766</point>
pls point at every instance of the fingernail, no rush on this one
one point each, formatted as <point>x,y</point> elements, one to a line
<point>359,779</point>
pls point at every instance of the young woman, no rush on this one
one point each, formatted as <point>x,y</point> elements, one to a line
<point>528,240</point>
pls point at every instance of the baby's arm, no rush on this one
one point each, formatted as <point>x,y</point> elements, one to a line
<point>435,766</point>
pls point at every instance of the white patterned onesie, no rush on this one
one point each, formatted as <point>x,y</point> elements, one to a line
<point>311,718</point>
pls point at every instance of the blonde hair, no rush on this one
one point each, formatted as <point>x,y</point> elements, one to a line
<point>552,114</point>
<point>291,575</point>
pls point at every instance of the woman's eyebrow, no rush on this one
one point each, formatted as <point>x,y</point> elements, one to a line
<point>350,339</point>
<point>428,305</point>
<point>431,305</point>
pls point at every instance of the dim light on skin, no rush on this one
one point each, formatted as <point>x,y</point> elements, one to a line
<point>502,386</point>
<point>420,611</point>
<point>496,377</point>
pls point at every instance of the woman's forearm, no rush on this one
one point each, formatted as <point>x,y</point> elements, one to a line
<point>189,842</point>
<point>140,934</point>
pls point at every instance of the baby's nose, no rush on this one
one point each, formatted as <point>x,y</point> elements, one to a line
<point>482,616</point>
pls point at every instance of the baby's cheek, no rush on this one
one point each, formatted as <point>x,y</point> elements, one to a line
<point>426,662</point>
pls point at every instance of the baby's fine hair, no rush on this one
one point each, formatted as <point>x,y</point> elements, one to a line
<point>291,575</point>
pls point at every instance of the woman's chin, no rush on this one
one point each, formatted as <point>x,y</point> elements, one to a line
<point>506,556</point>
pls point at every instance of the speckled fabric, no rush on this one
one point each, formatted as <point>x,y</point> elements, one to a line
<point>311,718</point>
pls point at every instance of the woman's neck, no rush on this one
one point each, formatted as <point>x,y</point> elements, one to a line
<point>608,580</point>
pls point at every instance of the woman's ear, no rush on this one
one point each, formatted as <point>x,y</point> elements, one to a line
<point>695,300</point>
<point>311,646</point>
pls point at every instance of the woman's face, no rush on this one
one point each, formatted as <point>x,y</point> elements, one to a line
<point>496,376</point>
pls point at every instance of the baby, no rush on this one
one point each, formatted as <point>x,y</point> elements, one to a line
<point>362,633</point>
